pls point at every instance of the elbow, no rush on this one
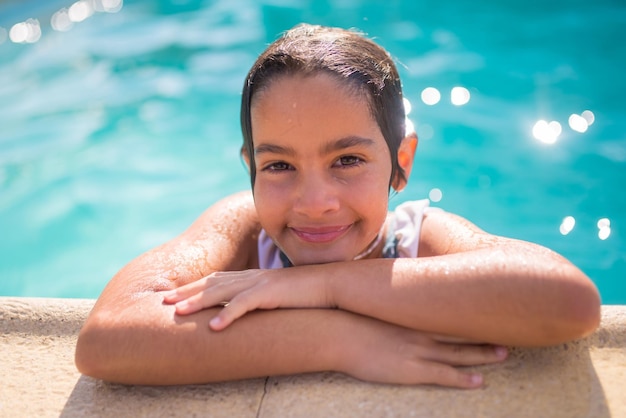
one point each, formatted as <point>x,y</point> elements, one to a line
<point>585,311</point>
<point>97,354</point>
<point>579,312</point>
<point>89,356</point>
<point>120,350</point>
<point>85,361</point>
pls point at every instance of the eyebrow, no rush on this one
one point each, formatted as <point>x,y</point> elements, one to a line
<point>274,149</point>
<point>332,146</point>
<point>347,142</point>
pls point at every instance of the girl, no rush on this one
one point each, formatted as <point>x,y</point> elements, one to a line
<point>403,297</point>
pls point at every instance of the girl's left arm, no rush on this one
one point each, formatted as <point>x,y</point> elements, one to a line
<point>465,284</point>
<point>468,283</point>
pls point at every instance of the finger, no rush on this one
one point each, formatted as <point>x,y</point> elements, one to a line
<point>183,292</point>
<point>204,299</point>
<point>468,354</point>
<point>218,323</point>
<point>453,340</point>
<point>205,295</point>
<point>444,375</point>
<point>236,308</point>
<point>185,307</point>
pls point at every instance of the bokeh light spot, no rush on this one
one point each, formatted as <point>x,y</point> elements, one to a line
<point>80,11</point>
<point>407,106</point>
<point>431,96</point>
<point>25,32</point>
<point>545,132</point>
<point>60,21</point>
<point>589,117</point>
<point>409,127</point>
<point>567,225</point>
<point>435,194</point>
<point>459,96</point>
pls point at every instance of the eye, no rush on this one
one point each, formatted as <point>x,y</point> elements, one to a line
<point>278,166</point>
<point>349,161</point>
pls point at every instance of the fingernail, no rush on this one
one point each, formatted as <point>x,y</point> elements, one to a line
<point>215,322</point>
<point>182,304</point>
<point>501,352</point>
<point>476,379</point>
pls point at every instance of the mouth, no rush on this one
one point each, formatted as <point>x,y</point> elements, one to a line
<point>320,235</point>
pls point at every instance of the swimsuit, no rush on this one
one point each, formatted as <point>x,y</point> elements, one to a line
<point>401,241</point>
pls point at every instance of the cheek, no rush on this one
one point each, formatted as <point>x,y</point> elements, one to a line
<point>375,182</point>
<point>268,200</point>
<point>370,195</point>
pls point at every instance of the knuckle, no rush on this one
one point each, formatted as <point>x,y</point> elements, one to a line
<point>458,348</point>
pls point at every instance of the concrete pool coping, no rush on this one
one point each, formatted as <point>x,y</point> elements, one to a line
<point>585,378</point>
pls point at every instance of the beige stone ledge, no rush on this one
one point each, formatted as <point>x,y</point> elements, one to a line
<point>585,378</point>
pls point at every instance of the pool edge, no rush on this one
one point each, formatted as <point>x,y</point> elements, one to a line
<point>582,378</point>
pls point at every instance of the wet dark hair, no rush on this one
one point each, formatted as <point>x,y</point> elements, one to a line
<point>365,66</point>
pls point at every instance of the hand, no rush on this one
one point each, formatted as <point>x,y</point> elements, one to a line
<point>381,352</point>
<point>244,291</point>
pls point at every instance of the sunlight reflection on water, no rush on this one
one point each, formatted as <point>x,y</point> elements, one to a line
<point>120,120</point>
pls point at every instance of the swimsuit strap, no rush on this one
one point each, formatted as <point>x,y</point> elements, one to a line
<point>285,260</point>
<point>390,250</point>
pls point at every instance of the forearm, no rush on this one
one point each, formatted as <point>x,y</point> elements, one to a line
<point>486,295</point>
<point>147,343</point>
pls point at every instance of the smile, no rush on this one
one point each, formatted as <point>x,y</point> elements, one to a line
<point>320,235</point>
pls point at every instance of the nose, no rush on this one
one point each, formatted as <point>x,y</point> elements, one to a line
<point>316,195</point>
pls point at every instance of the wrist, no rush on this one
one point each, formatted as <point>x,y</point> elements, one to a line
<point>346,341</point>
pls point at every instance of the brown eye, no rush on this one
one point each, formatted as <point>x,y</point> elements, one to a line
<point>278,166</point>
<point>349,160</point>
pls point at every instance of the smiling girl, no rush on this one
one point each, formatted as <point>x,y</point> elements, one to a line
<point>402,297</point>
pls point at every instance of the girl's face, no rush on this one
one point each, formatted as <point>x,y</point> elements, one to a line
<point>323,169</point>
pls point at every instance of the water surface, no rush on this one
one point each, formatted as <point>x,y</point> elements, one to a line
<point>117,133</point>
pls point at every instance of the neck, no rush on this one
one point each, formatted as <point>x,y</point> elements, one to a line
<point>373,245</point>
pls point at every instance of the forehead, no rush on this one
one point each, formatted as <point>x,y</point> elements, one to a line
<point>321,102</point>
<point>340,85</point>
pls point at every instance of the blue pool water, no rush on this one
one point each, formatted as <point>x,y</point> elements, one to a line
<point>116,133</point>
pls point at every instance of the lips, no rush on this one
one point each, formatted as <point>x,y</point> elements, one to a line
<point>320,235</point>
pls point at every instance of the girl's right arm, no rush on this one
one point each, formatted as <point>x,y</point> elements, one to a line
<point>148,345</point>
<point>132,337</point>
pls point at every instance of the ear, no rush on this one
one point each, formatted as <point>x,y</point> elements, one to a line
<point>406,153</point>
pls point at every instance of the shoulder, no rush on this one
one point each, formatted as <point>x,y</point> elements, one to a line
<point>227,232</point>
<point>232,215</point>
<point>446,233</point>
